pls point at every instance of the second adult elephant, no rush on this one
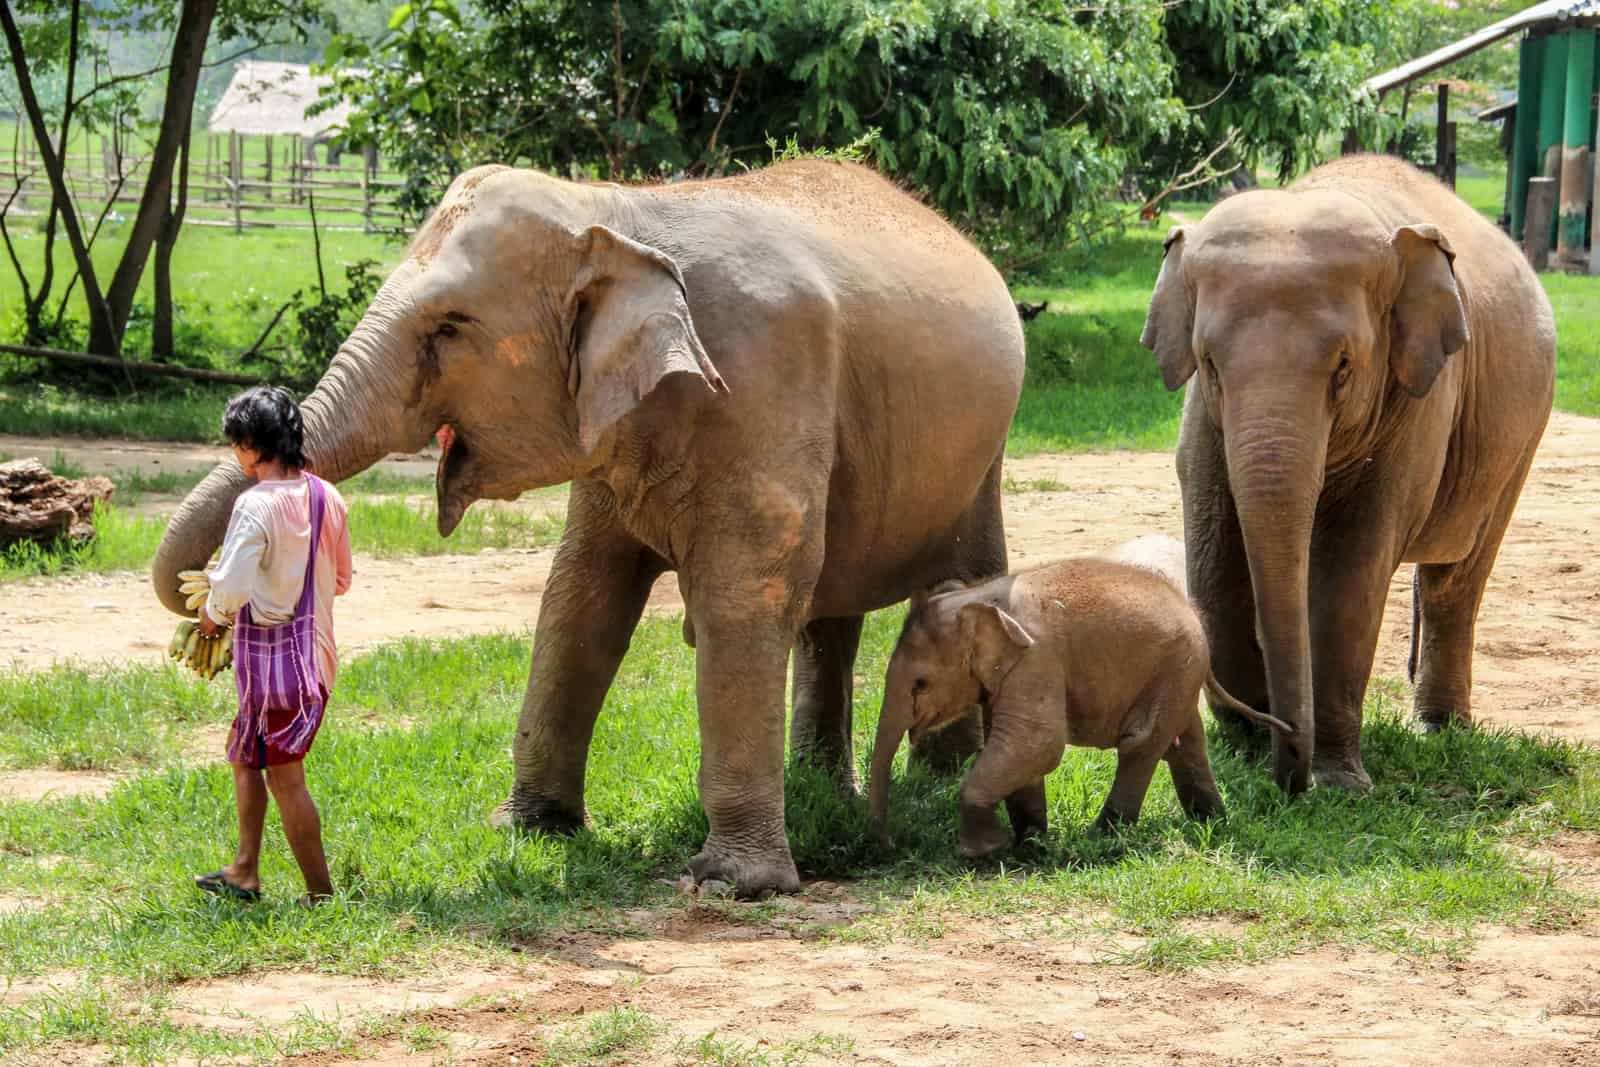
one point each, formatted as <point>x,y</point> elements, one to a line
<point>791,387</point>
<point>1373,368</point>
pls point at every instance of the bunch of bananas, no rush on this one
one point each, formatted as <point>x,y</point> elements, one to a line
<point>206,656</point>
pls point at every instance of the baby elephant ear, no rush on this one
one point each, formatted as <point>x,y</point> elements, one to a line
<point>998,642</point>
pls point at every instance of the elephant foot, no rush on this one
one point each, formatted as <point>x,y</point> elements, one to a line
<point>1341,773</point>
<point>1433,721</point>
<point>753,877</point>
<point>981,832</point>
<point>537,815</point>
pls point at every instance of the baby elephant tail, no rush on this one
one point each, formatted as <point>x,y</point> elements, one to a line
<point>1222,697</point>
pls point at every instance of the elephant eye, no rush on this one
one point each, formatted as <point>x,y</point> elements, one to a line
<point>447,329</point>
<point>919,686</point>
<point>1342,373</point>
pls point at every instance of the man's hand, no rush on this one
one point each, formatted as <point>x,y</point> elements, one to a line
<point>208,627</point>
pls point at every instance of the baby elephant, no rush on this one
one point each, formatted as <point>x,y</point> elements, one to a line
<point>1104,652</point>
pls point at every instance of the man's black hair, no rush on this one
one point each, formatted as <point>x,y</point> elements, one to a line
<point>267,419</point>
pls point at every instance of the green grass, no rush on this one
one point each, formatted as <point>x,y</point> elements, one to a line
<point>414,757</point>
<point>45,410</point>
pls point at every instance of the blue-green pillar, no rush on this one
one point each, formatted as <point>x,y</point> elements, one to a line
<point>1573,203</point>
<point>1552,114</point>
<point>1525,139</point>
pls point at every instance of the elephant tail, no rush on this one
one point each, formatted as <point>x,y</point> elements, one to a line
<point>1221,697</point>
<point>1416,625</point>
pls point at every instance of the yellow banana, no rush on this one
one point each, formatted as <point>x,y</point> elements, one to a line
<point>196,599</point>
<point>194,587</point>
<point>191,643</point>
<point>193,576</point>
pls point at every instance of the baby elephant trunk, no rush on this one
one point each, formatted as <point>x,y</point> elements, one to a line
<point>1220,697</point>
<point>893,721</point>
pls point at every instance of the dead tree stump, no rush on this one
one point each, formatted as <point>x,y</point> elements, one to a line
<point>36,505</point>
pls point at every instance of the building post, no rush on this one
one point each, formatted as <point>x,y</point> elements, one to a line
<point>1578,118</point>
<point>1541,210</point>
<point>1525,138</point>
<point>1552,113</point>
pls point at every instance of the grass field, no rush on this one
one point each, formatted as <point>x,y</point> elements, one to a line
<point>414,757</point>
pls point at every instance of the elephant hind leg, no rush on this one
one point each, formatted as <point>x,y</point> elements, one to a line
<point>1449,595</point>
<point>977,552</point>
<point>824,691</point>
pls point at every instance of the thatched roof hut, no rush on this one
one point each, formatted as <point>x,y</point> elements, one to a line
<point>268,97</point>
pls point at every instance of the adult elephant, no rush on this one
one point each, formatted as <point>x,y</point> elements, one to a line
<point>792,387</point>
<point>1374,365</point>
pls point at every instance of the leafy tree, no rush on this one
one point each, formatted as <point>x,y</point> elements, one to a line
<point>1012,115</point>
<point>43,37</point>
<point>1277,77</point>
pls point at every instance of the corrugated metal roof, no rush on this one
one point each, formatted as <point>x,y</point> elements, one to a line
<point>1550,11</point>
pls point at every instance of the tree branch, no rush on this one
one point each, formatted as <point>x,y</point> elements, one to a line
<point>100,87</point>
<point>727,107</point>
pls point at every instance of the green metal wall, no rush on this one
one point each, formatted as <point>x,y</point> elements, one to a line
<point>1557,78</point>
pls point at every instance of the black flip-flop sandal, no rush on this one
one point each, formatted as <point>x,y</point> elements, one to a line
<point>217,882</point>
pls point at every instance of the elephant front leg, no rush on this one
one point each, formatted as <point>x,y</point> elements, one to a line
<point>740,664</point>
<point>1027,735</point>
<point>599,582</point>
<point>1348,591</point>
<point>824,689</point>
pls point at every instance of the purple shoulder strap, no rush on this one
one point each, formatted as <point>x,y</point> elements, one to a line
<point>308,590</point>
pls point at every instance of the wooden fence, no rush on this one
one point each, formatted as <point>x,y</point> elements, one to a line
<point>243,182</point>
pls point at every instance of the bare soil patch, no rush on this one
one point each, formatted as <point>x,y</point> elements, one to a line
<point>978,996</point>
<point>36,785</point>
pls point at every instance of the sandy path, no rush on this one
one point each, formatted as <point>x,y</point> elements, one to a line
<point>1534,668</point>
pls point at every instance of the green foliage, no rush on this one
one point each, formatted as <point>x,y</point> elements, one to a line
<point>1013,115</point>
<point>1279,75</point>
<point>321,325</point>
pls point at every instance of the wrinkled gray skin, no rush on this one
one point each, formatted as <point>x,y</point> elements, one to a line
<point>1373,365</point>
<point>1100,652</point>
<point>791,387</point>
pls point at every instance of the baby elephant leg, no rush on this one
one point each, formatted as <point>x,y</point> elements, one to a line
<point>1136,765</point>
<point>1191,771</point>
<point>1023,747</point>
<point>1030,816</point>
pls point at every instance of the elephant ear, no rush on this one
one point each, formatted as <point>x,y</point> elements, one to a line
<point>1427,324</point>
<point>629,328</point>
<point>1169,326</point>
<point>997,639</point>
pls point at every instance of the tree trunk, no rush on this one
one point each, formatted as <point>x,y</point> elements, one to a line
<point>99,312</point>
<point>161,345</point>
<point>38,506</point>
<point>183,76</point>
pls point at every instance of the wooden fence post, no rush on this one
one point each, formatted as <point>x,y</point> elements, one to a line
<point>1541,210</point>
<point>269,166</point>
<point>236,172</point>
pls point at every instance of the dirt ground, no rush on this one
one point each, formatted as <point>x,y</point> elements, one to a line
<point>981,993</point>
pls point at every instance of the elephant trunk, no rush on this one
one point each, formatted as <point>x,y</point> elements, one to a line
<point>893,721</point>
<point>355,416</point>
<point>1276,455</point>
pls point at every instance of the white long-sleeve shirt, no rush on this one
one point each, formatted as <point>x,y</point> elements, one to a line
<point>263,561</point>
